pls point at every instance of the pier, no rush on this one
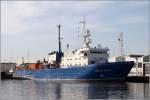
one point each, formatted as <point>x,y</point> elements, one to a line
<point>137,79</point>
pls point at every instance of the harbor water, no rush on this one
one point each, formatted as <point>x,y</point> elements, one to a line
<point>58,90</point>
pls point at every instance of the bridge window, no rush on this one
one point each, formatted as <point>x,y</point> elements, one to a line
<point>139,65</point>
<point>92,62</point>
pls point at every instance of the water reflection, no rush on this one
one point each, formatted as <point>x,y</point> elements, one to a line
<point>107,90</point>
<point>48,90</point>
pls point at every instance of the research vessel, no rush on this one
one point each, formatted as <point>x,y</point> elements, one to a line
<point>86,63</point>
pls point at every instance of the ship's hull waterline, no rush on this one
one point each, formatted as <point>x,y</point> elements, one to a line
<point>104,71</point>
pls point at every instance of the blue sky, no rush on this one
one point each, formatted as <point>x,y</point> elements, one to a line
<point>30,27</point>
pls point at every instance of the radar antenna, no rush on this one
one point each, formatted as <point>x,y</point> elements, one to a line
<point>87,35</point>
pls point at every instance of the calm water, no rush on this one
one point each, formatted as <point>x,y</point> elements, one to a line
<point>48,90</point>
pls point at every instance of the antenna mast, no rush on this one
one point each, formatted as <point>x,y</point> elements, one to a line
<point>59,44</point>
<point>120,39</point>
<point>86,35</point>
<point>59,38</point>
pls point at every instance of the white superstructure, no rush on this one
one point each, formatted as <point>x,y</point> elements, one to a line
<point>84,56</point>
<point>52,57</point>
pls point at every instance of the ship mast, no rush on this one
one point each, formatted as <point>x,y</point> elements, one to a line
<point>120,39</point>
<point>59,39</point>
<point>86,36</point>
<point>59,44</point>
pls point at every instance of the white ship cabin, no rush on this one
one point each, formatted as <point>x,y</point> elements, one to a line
<point>53,57</point>
<point>84,56</point>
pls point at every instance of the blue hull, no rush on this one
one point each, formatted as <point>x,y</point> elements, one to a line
<point>105,71</point>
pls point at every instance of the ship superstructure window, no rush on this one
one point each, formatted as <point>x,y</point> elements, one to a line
<point>85,54</point>
<point>146,58</point>
<point>82,52</point>
<point>139,65</point>
<point>92,62</point>
<point>96,52</point>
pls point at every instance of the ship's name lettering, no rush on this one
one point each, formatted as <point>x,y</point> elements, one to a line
<point>102,70</point>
